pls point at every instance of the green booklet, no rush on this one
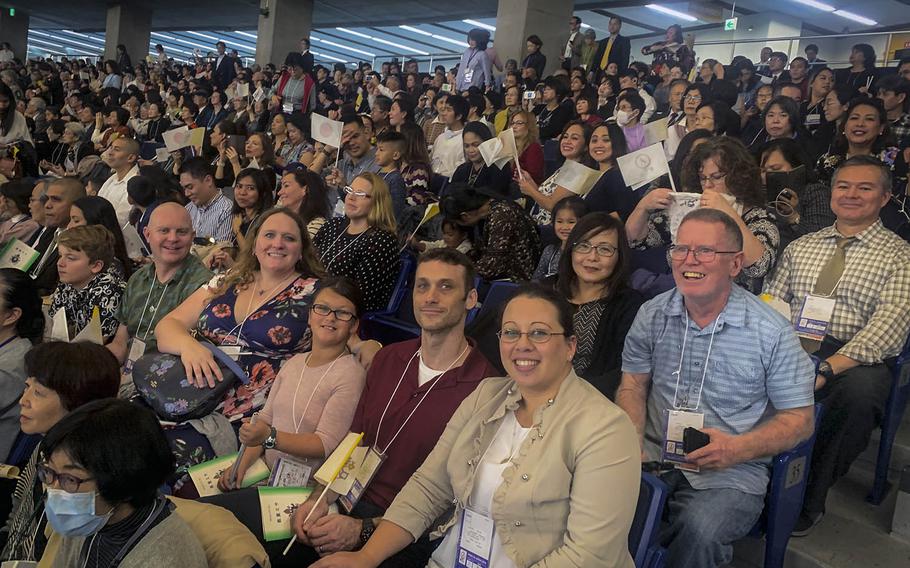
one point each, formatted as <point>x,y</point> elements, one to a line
<point>277,505</point>
<point>17,254</point>
<point>205,475</point>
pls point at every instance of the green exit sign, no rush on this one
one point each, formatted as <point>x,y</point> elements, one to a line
<point>12,11</point>
<point>730,24</point>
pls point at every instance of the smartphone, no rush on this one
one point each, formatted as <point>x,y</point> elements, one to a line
<point>530,95</point>
<point>694,439</point>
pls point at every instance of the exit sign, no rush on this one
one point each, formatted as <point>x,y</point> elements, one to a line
<point>730,24</point>
<point>12,12</point>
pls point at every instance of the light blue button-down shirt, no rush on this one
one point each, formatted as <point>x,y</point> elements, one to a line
<point>756,366</point>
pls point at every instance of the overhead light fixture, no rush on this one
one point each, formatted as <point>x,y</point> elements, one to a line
<point>817,5</point>
<point>386,42</point>
<point>82,35</point>
<point>416,31</point>
<point>341,46</point>
<point>68,40</point>
<point>855,17</point>
<point>46,42</point>
<point>246,34</point>
<point>459,43</point>
<point>329,57</point>
<point>671,12</point>
<point>585,26</point>
<point>483,25</point>
<point>156,34</point>
<point>352,32</point>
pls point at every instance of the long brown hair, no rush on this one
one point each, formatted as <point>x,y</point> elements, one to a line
<point>242,273</point>
<point>533,133</point>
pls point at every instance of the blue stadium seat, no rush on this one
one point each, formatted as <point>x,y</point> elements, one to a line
<point>894,411</point>
<point>784,502</point>
<point>396,322</point>
<point>497,294</point>
<point>643,544</point>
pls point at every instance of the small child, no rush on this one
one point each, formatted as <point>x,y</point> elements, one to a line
<point>566,214</point>
<point>86,279</point>
<point>390,147</point>
<point>454,236</point>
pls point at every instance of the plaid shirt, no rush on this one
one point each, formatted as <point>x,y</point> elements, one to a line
<point>872,313</point>
<point>901,130</point>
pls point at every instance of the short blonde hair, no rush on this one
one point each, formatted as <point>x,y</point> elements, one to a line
<point>96,241</point>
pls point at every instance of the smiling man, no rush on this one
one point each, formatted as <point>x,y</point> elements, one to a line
<point>157,288</point>
<point>710,356</point>
<point>856,274</point>
<point>209,208</point>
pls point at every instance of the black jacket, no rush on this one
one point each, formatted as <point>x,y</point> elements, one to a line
<point>619,54</point>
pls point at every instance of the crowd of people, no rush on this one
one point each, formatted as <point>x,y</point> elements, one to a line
<point>228,282</point>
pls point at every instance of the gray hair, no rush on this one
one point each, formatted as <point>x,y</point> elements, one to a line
<point>75,128</point>
<point>884,174</point>
<point>732,231</point>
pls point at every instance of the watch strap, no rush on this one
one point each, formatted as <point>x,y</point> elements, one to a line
<point>367,530</point>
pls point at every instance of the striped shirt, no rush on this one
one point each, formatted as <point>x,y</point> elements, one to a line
<point>213,219</point>
<point>872,309</point>
<point>756,365</point>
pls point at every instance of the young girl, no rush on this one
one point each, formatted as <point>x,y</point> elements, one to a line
<point>566,214</point>
<point>454,236</point>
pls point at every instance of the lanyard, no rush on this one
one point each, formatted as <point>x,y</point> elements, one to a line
<point>155,309</point>
<point>297,423</point>
<point>249,311</point>
<point>2,345</point>
<point>678,371</point>
<point>339,253</point>
<point>406,420</point>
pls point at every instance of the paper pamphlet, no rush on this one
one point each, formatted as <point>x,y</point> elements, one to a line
<point>682,203</point>
<point>577,178</point>
<point>348,474</point>
<point>205,475</point>
<point>19,255</point>
<point>277,504</point>
<point>59,327</point>
<point>92,331</point>
<point>656,131</point>
<point>339,460</point>
<point>499,150</point>
<point>644,165</point>
<point>782,307</point>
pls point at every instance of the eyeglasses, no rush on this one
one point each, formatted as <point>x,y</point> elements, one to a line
<point>519,123</point>
<point>715,177</point>
<point>358,194</point>
<point>692,97</point>
<point>69,483</point>
<point>701,254</point>
<point>340,315</point>
<point>534,336</point>
<point>603,249</point>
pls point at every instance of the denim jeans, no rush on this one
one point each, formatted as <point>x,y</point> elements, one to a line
<point>701,525</point>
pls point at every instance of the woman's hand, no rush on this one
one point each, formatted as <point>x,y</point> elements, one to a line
<point>199,364</point>
<point>656,199</point>
<point>321,510</point>
<point>233,157</point>
<point>715,200</point>
<point>224,480</point>
<point>254,434</point>
<point>527,185</point>
<point>364,350</point>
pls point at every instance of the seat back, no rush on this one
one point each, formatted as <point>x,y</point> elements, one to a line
<point>652,497</point>
<point>891,421</point>
<point>498,294</point>
<point>22,449</point>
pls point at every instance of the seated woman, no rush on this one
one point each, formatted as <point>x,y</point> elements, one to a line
<point>712,117</point>
<point>630,108</point>
<point>527,142</point>
<point>693,97</point>
<point>94,210</point>
<point>835,105</point>
<point>261,304</point>
<point>21,322</point>
<point>304,192</point>
<point>752,119</point>
<point>513,468</point>
<point>610,193</point>
<point>258,154</point>
<point>103,465</point>
<point>252,197</point>
<point>504,236</point>
<point>594,277</point>
<point>474,170</point>
<point>586,108</point>
<point>813,205</point>
<point>61,377</point>
<point>216,150</point>
<point>720,169</point>
<point>87,280</point>
<point>297,148</point>
<point>565,215</point>
<point>573,145</point>
<point>782,120</point>
<point>18,223</point>
<point>362,245</point>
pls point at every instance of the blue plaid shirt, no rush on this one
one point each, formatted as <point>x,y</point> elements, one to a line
<point>212,219</point>
<point>756,365</point>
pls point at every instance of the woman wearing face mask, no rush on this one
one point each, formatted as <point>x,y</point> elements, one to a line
<point>722,170</point>
<point>103,464</point>
<point>304,192</point>
<point>835,110</point>
<point>474,170</point>
<point>629,110</point>
<point>61,377</point>
<point>573,146</point>
<point>813,109</point>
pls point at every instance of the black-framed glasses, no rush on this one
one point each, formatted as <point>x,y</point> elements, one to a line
<point>714,178</point>
<point>340,315</point>
<point>603,249</point>
<point>701,254</point>
<point>69,483</point>
<point>534,336</point>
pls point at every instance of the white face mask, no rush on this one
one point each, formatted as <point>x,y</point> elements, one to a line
<point>623,118</point>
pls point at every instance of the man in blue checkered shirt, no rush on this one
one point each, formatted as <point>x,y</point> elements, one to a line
<point>713,356</point>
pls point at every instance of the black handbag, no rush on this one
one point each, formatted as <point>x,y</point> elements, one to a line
<point>162,383</point>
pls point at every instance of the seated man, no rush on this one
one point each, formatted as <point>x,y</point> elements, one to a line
<point>122,157</point>
<point>60,195</point>
<point>448,149</point>
<point>359,156</point>
<point>412,389</point>
<point>711,356</point>
<point>209,208</point>
<point>860,271</point>
<point>157,288</point>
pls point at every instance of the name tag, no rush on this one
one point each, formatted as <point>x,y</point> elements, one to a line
<point>232,351</point>
<point>287,107</point>
<point>137,350</point>
<point>475,540</point>
<point>813,119</point>
<point>815,317</point>
<point>469,75</point>
<point>290,472</point>
<point>677,422</point>
<point>368,468</point>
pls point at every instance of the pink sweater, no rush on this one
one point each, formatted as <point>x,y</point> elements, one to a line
<point>331,409</point>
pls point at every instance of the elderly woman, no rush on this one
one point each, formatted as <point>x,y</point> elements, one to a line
<point>103,465</point>
<point>522,461</point>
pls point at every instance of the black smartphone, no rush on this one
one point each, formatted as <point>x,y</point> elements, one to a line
<point>694,439</point>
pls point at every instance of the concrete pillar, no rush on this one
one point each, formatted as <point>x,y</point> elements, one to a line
<point>282,24</point>
<point>131,25</point>
<point>14,30</point>
<point>517,19</point>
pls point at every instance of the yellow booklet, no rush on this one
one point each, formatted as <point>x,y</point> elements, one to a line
<point>205,475</point>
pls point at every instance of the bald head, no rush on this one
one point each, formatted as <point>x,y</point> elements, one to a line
<point>169,234</point>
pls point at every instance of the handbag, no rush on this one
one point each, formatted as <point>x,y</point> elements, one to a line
<point>162,383</point>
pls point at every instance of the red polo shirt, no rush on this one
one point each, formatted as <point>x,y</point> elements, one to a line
<point>423,430</point>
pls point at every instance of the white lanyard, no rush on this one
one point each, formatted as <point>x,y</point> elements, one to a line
<point>145,307</point>
<point>297,423</point>
<point>406,420</point>
<point>249,311</point>
<point>339,253</point>
<point>704,374</point>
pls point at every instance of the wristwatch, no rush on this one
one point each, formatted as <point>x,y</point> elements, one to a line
<point>367,531</point>
<point>269,443</point>
<point>825,370</point>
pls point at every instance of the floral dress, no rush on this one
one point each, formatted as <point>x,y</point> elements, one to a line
<point>274,333</point>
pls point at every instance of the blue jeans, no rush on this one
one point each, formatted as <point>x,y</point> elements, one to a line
<point>703,524</point>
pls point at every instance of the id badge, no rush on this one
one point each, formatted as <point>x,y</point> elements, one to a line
<point>678,421</point>
<point>232,351</point>
<point>815,317</point>
<point>290,472</point>
<point>469,75</point>
<point>475,541</point>
<point>137,350</point>
<point>813,119</point>
<point>287,108</point>
<point>371,464</point>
